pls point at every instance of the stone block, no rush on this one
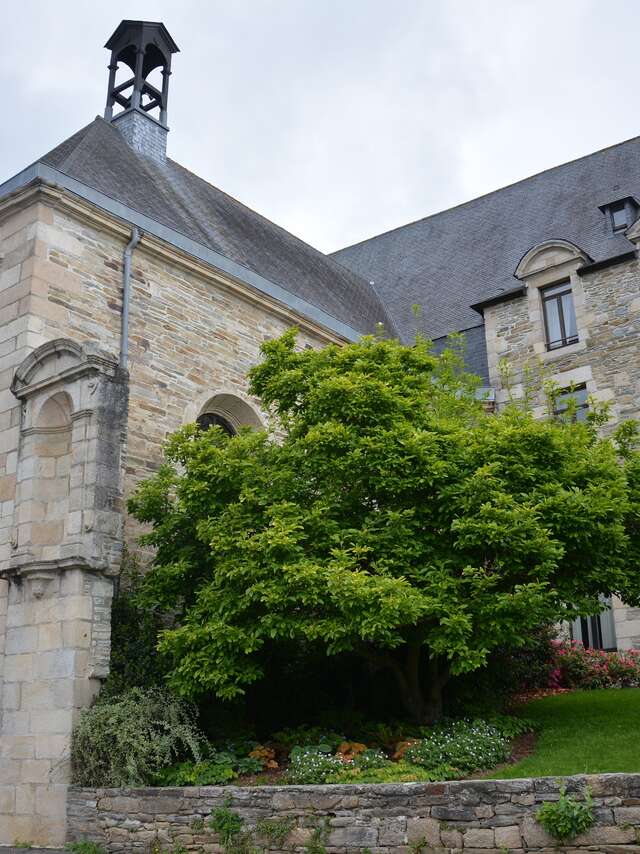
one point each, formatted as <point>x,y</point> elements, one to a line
<point>535,836</point>
<point>508,837</point>
<point>35,771</point>
<point>25,799</point>
<point>7,800</point>
<point>423,828</point>
<point>46,533</point>
<point>51,800</point>
<point>606,836</point>
<point>37,695</point>
<point>627,815</point>
<point>477,837</point>
<point>355,836</point>
<point>22,639</point>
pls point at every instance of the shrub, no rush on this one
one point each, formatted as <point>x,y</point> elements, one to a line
<point>567,817</point>
<point>219,767</point>
<point>370,759</point>
<point>275,830</point>
<point>510,726</point>
<point>127,740</point>
<point>578,667</point>
<point>226,823</point>
<point>207,773</point>
<point>393,772</point>
<point>465,745</point>
<point>312,765</point>
<point>306,736</point>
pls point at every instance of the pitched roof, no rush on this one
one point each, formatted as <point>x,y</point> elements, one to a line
<point>446,262</point>
<point>99,157</point>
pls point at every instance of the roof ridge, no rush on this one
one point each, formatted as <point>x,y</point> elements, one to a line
<point>486,195</point>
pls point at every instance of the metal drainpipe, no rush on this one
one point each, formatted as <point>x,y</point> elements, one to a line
<point>126,296</point>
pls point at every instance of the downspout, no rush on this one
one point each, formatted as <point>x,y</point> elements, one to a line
<point>126,296</point>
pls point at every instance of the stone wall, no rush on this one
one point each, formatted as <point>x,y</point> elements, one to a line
<point>468,816</point>
<point>76,436</point>
<point>606,359</point>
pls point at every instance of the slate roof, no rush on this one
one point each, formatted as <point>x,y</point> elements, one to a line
<point>446,262</point>
<point>99,157</point>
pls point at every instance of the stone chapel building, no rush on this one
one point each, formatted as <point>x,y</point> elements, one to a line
<point>134,296</point>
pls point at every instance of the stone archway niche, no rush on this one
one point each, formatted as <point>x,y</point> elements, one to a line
<point>66,548</point>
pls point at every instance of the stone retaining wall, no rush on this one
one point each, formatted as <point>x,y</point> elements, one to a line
<point>465,816</point>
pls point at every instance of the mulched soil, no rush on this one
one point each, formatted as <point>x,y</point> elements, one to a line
<point>527,696</point>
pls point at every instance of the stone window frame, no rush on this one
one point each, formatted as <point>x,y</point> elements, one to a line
<point>544,265</point>
<point>230,405</point>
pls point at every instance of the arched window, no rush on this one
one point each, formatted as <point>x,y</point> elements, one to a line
<point>213,419</point>
<point>228,412</point>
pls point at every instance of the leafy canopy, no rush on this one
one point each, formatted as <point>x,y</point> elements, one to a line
<point>393,517</point>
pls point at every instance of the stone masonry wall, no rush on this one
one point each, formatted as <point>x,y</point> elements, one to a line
<point>465,816</point>
<point>191,338</point>
<point>606,360</point>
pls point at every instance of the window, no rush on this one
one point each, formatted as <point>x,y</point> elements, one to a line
<point>597,632</point>
<point>620,213</point>
<point>212,419</point>
<point>573,402</point>
<point>559,316</point>
<point>619,216</point>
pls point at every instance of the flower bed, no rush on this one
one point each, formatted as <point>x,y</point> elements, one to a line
<point>575,666</point>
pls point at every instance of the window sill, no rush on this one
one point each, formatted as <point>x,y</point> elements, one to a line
<point>561,352</point>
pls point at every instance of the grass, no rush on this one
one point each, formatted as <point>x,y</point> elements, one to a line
<point>585,732</point>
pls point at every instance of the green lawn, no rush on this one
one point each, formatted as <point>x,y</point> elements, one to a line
<point>586,732</point>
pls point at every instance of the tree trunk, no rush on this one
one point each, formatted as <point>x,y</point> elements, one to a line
<point>423,705</point>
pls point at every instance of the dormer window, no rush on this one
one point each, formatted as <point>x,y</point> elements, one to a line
<point>620,214</point>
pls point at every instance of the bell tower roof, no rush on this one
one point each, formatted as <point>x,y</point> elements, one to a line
<point>141,47</point>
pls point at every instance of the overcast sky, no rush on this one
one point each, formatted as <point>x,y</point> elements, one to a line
<point>340,119</point>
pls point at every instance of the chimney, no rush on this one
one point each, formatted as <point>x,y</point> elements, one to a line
<point>142,46</point>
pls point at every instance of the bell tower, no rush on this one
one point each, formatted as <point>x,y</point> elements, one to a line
<point>142,47</point>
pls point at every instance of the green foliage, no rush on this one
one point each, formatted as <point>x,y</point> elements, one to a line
<point>464,745</point>
<point>304,736</point>
<point>312,765</point>
<point>217,768</point>
<point>511,727</point>
<point>207,773</point>
<point>275,830</point>
<point>395,520</point>
<point>317,842</point>
<point>393,772</point>
<point>126,741</point>
<point>226,823</point>
<point>567,817</point>
<point>135,662</point>
<point>19,843</point>
<point>85,847</point>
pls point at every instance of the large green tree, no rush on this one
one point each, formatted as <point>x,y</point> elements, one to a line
<point>390,516</point>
